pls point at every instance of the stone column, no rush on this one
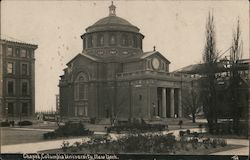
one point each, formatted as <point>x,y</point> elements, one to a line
<point>164,103</point>
<point>179,104</point>
<point>172,103</point>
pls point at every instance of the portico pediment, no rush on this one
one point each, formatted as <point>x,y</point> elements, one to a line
<point>155,54</point>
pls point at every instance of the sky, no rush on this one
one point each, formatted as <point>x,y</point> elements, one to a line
<point>176,28</point>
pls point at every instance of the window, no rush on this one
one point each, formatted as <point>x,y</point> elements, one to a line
<point>100,40</point>
<point>23,53</point>
<point>9,51</point>
<point>24,69</point>
<point>10,67</point>
<point>124,40</point>
<point>25,108</point>
<point>24,89</point>
<point>10,108</point>
<point>135,42</point>
<point>90,41</point>
<point>28,53</point>
<point>81,91</point>
<point>81,87</point>
<point>163,65</point>
<point>140,44</point>
<point>10,88</point>
<point>112,39</point>
<point>17,52</point>
<point>140,97</point>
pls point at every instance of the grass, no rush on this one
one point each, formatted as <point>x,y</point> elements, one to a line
<point>14,136</point>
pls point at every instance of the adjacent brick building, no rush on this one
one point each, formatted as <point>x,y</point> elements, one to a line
<point>114,77</point>
<point>17,79</point>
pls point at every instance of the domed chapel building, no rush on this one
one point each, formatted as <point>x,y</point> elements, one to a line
<point>114,77</point>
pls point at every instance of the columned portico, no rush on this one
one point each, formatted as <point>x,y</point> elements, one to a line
<point>171,105</point>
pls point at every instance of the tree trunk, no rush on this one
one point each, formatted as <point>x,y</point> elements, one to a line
<point>193,117</point>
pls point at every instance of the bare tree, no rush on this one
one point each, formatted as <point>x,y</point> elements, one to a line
<point>115,100</point>
<point>210,57</point>
<point>191,104</point>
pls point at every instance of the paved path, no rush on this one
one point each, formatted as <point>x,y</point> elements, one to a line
<point>37,146</point>
<point>238,151</point>
<point>34,129</point>
<point>47,145</point>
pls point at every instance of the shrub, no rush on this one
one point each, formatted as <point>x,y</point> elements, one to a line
<point>49,135</point>
<point>69,129</point>
<point>25,123</point>
<point>195,134</point>
<point>206,142</point>
<point>92,120</point>
<point>215,143</point>
<point>12,123</point>
<point>65,146</point>
<point>181,133</point>
<point>194,142</point>
<point>5,124</point>
<point>180,123</point>
<point>222,142</point>
<point>135,128</point>
<point>148,143</point>
<point>227,128</point>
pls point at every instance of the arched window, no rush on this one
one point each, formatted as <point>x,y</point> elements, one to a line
<point>112,39</point>
<point>134,41</point>
<point>124,40</point>
<point>81,94</point>
<point>81,86</point>
<point>100,40</point>
<point>90,41</point>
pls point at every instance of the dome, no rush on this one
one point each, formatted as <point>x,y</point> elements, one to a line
<point>112,22</point>
<point>112,38</point>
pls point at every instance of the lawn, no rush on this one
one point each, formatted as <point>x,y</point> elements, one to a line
<point>15,136</point>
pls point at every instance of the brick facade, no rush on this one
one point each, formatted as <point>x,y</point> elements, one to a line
<point>17,76</point>
<point>118,78</point>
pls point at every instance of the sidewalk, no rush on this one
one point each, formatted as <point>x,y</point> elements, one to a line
<point>55,144</point>
<point>34,129</point>
<point>238,151</point>
<point>38,146</point>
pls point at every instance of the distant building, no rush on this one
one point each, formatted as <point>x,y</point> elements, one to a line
<point>114,77</point>
<point>17,79</point>
<point>223,101</point>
